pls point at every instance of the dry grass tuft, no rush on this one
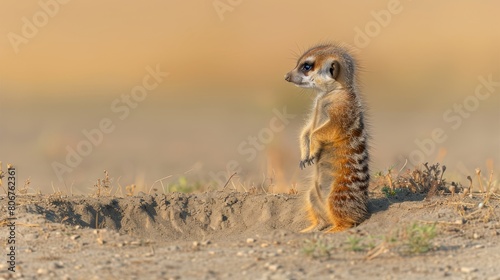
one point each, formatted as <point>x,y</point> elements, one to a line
<point>429,180</point>
<point>103,186</point>
<point>130,189</point>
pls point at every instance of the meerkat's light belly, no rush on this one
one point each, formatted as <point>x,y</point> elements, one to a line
<point>324,171</point>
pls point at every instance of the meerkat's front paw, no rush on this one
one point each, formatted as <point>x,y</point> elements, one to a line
<point>308,161</point>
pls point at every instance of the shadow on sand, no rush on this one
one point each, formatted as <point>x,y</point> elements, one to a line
<point>401,195</point>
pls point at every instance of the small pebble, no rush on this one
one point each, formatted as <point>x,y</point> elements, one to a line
<point>56,265</point>
<point>75,237</point>
<point>173,248</point>
<point>274,267</point>
<point>468,269</point>
<point>31,236</point>
<point>250,240</point>
<point>42,271</point>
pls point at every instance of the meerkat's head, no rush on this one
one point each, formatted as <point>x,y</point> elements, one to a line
<point>324,68</point>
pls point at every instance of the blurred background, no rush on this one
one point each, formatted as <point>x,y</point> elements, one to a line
<point>83,88</point>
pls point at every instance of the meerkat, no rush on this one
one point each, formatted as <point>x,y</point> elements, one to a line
<point>334,139</point>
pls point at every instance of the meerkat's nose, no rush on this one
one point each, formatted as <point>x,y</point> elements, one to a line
<point>288,77</point>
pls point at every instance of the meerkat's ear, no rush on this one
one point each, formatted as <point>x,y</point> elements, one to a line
<point>335,69</point>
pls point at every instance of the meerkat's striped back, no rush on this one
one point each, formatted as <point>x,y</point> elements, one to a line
<point>349,192</point>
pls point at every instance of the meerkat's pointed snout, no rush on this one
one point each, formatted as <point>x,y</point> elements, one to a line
<point>295,79</point>
<point>288,77</point>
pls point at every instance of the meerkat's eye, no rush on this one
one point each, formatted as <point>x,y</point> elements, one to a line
<point>306,67</point>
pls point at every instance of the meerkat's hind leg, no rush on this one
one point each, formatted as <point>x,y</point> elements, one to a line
<point>311,215</point>
<point>317,223</point>
<point>315,211</point>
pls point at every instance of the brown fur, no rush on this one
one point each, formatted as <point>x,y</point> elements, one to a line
<point>334,139</point>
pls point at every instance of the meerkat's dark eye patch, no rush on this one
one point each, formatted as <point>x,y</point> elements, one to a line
<point>306,67</point>
<point>335,69</point>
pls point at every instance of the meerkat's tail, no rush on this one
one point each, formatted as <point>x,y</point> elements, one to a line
<point>347,208</point>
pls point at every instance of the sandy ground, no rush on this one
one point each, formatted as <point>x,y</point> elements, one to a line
<point>234,235</point>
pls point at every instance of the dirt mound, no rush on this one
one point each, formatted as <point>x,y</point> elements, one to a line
<point>177,215</point>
